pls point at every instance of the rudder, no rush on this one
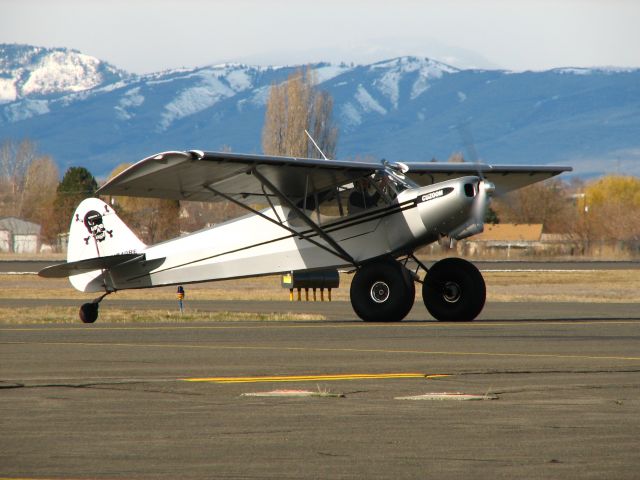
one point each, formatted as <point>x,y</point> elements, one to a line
<point>97,231</point>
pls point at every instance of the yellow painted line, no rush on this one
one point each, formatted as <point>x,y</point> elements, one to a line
<point>333,350</point>
<point>312,378</point>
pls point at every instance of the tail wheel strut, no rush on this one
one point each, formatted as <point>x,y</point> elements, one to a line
<point>89,311</point>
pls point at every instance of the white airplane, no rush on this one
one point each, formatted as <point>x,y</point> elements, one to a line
<point>320,214</point>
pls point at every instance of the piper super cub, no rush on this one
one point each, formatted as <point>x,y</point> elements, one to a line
<point>320,214</point>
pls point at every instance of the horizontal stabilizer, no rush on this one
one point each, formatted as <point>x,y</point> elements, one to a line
<point>87,265</point>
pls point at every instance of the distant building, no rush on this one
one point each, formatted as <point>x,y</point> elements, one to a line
<point>505,239</point>
<point>510,233</point>
<point>19,236</point>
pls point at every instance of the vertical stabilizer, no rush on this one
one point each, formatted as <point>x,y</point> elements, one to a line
<point>96,231</point>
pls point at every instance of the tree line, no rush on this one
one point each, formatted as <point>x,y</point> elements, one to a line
<point>606,209</point>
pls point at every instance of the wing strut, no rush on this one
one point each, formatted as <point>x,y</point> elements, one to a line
<point>348,258</point>
<point>339,251</point>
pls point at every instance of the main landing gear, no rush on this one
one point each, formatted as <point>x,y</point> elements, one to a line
<point>89,311</point>
<point>384,291</point>
<point>454,290</point>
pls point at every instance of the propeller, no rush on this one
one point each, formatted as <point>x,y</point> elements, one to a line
<point>483,199</point>
<point>485,188</point>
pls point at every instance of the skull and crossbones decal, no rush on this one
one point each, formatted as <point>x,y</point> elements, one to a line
<point>95,226</point>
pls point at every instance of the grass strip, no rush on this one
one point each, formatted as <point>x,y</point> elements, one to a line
<point>66,315</point>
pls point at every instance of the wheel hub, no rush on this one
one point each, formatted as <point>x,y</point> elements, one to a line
<point>380,292</point>
<point>451,292</point>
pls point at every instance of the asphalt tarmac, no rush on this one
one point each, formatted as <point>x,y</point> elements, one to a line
<point>560,385</point>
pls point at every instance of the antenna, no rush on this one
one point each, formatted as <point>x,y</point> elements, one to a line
<point>315,144</point>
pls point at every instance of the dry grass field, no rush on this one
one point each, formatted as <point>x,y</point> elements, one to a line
<point>557,286</point>
<point>602,286</point>
<point>44,315</point>
<point>508,286</point>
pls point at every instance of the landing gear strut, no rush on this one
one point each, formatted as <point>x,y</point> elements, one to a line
<point>382,291</point>
<point>89,311</point>
<point>454,290</point>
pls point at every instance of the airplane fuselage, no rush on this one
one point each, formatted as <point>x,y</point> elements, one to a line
<point>251,245</point>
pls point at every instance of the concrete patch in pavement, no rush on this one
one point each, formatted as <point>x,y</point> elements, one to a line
<point>295,393</point>
<point>458,396</point>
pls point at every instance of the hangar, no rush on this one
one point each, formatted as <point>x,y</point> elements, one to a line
<point>19,236</point>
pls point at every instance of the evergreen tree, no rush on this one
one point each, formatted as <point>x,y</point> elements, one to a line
<point>76,185</point>
<point>491,216</point>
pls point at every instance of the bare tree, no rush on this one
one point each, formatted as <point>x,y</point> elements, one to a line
<point>545,202</point>
<point>611,205</point>
<point>197,215</point>
<point>293,107</point>
<point>39,193</point>
<point>322,128</point>
<point>456,157</point>
<point>15,159</point>
<point>152,219</point>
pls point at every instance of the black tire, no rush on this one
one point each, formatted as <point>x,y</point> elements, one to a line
<point>454,291</point>
<point>89,312</point>
<point>382,291</point>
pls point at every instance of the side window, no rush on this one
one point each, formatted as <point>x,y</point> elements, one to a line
<point>352,198</point>
<point>371,192</point>
<point>331,206</point>
<point>321,207</point>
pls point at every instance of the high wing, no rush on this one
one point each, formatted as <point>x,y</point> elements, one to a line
<point>214,176</point>
<point>204,176</point>
<point>505,177</point>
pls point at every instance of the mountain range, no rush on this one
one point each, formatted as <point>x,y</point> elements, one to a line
<point>85,112</point>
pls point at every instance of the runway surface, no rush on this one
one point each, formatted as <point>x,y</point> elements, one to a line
<point>169,401</point>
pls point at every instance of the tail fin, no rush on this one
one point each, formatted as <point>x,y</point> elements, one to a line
<point>96,231</point>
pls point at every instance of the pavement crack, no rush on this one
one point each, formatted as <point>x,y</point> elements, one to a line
<point>6,385</point>
<point>329,454</point>
<point>545,372</point>
<point>122,385</point>
<point>74,385</point>
<point>550,388</point>
<point>256,432</point>
<point>479,460</point>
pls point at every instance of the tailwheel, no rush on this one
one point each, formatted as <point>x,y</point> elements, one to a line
<point>382,291</point>
<point>454,290</point>
<point>89,312</point>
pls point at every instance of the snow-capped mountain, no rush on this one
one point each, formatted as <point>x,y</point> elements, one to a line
<point>36,72</point>
<point>85,112</point>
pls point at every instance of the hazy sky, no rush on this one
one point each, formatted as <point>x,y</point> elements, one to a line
<point>149,35</point>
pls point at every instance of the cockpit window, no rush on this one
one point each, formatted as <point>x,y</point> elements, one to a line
<point>374,191</point>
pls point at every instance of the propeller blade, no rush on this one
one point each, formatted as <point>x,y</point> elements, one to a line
<point>485,191</point>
